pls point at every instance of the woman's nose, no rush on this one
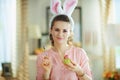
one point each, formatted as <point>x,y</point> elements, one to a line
<point>60,33</point>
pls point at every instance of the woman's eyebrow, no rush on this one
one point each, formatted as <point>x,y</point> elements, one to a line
<point>59,28</point>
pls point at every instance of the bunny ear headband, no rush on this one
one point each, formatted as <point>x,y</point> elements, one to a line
<point>67,9</point>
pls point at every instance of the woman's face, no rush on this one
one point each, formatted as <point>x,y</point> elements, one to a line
<point>60,32</point>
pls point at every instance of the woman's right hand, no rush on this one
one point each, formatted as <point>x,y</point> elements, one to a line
<point>46,64</point>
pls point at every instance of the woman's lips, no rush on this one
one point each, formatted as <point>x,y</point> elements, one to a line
<point>59,38</point>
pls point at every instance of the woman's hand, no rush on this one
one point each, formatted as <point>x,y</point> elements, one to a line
<point>74,67</point>
<point>78,70</point>
<point>46,64</point>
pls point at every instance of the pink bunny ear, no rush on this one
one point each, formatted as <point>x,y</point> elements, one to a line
<point>56,7</point>
<point>69,6</point>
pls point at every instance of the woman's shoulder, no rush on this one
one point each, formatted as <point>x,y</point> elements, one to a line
<point>80,52</point>
<point>77,48</point>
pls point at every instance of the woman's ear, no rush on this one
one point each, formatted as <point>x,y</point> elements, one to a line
<point>71,33</point>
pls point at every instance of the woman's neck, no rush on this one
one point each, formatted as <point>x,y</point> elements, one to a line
<point>61,48</point>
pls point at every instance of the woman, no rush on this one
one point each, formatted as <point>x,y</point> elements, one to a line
<point>51,64</point>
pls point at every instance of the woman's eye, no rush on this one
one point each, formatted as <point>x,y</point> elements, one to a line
<point>56,29</point>
<point>64,30</point>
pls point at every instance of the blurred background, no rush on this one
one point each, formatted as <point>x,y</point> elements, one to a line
<point>24,32</point>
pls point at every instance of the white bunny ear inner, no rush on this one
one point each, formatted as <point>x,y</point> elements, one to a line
<point>55,7</point>
<point>69,6</point>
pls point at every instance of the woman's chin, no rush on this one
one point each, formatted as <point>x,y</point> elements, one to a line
<point>60,42</point>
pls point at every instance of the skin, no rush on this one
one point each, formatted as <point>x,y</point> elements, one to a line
<point>60,32</point>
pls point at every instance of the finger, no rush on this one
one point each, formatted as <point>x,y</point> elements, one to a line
<point>46,57</point>
<point>73,62</point>
<point>70,65</point>
<point>71,69</point>
<point>45,66</point>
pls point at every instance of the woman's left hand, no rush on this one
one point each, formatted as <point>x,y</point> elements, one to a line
<point>74,67</point>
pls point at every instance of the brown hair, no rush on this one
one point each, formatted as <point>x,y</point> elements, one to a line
<point>64,18</point>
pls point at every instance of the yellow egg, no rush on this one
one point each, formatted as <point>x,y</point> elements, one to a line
<point>38,51</point>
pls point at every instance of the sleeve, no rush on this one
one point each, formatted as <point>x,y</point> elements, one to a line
<point>40,70</point>
<point>84,63</point>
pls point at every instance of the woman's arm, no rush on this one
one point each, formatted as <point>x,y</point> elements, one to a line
<point>47,65</point>
<point>85,72</point>
<point>82,73</point>
<point>83,76</point>
<point>81,69</point>
<point>46,76</point>
<point>43,67</point>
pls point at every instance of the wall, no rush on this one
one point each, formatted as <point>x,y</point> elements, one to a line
<point>117,11</point>
<point>37,13</point>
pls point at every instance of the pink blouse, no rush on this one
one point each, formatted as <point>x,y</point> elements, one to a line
<point>59,71</point>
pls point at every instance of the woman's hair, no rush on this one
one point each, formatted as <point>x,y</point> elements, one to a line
<point>64,18</point>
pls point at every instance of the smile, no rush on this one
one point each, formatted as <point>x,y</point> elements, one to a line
<point>59,38</point>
